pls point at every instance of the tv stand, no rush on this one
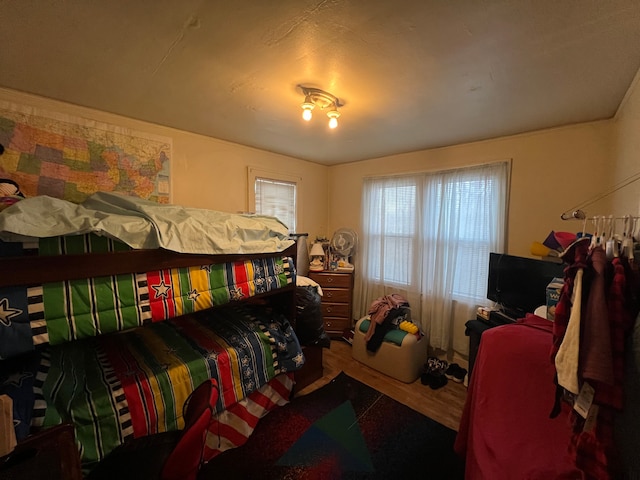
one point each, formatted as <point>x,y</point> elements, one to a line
<point>474,330</point>
<point>502,318</point>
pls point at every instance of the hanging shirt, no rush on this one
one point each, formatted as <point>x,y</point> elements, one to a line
<point>567,358</point>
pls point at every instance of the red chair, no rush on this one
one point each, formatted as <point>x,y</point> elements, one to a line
<point>165,456</point>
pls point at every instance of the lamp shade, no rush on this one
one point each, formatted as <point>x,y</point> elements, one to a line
<point>317,250</point>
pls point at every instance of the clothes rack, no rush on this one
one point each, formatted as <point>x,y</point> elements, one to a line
<point>579,214</point>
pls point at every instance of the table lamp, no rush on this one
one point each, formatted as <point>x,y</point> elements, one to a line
<point>317,257</point>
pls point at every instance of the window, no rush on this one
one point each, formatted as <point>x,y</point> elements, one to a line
<point>391,232</point>
<point>275,195</point>
<point>470,198</point>
<point>428,237</point>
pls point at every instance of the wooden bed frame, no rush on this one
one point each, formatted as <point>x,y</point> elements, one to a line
<point>32,269</point>
<point>38,269</point>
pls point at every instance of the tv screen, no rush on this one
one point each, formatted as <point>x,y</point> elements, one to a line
<point>518,284</point>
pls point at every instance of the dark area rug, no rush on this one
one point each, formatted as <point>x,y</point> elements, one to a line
<point>344,430</point>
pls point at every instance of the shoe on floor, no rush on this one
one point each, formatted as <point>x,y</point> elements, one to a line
<point>438,381</point>
<point>456,373</point>
<point>453,367</point>
<point>433,373</point>
<point>434,380</point>
<point>434,364</point>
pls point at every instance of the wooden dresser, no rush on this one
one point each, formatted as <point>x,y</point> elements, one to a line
<point>337,300</point>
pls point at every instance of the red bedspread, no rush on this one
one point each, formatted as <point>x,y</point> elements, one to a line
<point>505,431</point>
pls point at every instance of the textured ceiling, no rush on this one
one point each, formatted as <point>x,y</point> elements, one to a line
<point>411,74</point>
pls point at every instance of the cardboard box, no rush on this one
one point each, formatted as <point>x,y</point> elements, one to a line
<point>553,295</point>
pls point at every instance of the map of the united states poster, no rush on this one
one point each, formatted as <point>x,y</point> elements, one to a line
<point>70,157</point>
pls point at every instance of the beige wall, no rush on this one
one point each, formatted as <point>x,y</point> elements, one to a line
<point>211,173</point>
<point>626,147</point>
<point>552,170</point>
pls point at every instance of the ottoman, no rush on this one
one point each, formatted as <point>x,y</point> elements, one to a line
<point>401,355</point>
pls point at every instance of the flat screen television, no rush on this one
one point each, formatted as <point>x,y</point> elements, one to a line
<point>519,284</point>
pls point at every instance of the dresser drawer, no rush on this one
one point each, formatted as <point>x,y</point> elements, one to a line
<point>336,310</point>
<point>336,280</point>
<point>336,326</point>
<point>336,295</point>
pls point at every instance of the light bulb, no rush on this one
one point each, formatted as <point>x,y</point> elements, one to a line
<point>307,106</point>
<point>333,117</point>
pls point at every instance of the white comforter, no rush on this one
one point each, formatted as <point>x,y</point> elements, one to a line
<point>144,224</point>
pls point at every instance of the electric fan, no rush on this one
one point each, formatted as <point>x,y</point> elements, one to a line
<point>343,244</point>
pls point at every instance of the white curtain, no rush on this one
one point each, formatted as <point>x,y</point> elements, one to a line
<point>427,236</point>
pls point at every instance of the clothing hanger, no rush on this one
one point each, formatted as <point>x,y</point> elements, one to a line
<point>633,242</point>
<point>596,230</point>
<point>602,231</point>
<point>627,237</point>
<point>611,248</point>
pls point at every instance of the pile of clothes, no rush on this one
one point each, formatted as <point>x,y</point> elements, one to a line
<point>386,312</point>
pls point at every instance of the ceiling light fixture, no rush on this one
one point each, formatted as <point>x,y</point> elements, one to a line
<point>314,97</point>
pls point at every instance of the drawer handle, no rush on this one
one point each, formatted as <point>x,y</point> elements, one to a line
<point>330,280</point>
<point>328,324</point>
<point>328,309</point>
<point>329,294</point>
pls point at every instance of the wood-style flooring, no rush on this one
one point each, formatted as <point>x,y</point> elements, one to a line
<point>443,405</point>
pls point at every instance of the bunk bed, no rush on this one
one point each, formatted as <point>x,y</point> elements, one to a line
<point>111,333</point>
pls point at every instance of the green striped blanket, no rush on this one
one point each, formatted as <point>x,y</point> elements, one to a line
<point>59,312</point>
